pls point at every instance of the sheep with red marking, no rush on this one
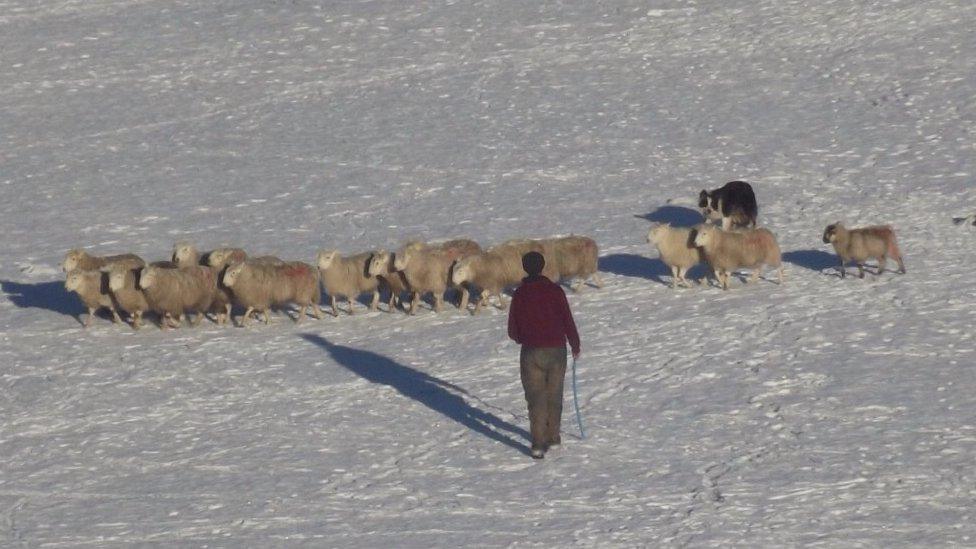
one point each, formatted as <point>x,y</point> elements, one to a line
<point>258,286</point>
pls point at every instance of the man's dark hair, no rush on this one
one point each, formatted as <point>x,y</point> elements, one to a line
<point>533,262</point>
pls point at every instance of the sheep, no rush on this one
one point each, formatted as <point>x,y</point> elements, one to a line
<point>185,254</point>
<point>575,257</point>
<point>726,251</point>
<point>347,277</point>
<point>222,257</point>
<point>123,282</point>
<point>81,260</point>
<point>257,286</point>
<point>676,246</point>
<point>493,270</point>
<point>427,269</point>
<point>382,265</point>
<point>861,244</point>
<point>92,288</point>
<point>174,292</point>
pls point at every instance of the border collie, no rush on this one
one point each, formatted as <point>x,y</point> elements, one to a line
<point>734,203</point>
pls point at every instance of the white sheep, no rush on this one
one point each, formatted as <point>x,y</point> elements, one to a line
<point>726,251</point>
<point>676,246</point>
<point>258,286</point>
<point>859,245</point>
<point>92,288</point>
<point>575,257</point>
<point>172,293</point>
<point>185,254</point>
<point>381,265</point>
<point>81,260</point>
<point>222,257</point>
<point>123,282</point>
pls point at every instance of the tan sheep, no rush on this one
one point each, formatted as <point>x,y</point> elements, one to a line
<point>185,254</point>
<point>347,277</point>
<point>258,286</point>
<point>381,265</point>
<point>726,251</point>
<point>575,257</point>
<point>676,246</point>
<point>427,269</point>
<point>172,293</point>
<point>222,257</point>
<point>859,245</point>
<point>92,288</point>
<point>81,260</point>
<point>123,282</point>
<point>494,270</point>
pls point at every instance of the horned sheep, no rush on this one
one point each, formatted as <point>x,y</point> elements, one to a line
<point>726,251</point>
<point>859,245</point>
<point>258,286</point>
<point>92,288</point>
<point>676,246</point>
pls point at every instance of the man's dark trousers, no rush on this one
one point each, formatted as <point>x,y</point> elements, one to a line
<point>543,370</point>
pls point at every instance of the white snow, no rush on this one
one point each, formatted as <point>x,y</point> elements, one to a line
<point>825,412</point>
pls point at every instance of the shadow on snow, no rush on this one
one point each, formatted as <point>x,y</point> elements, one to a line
<point>43,295</point>
<point>678,216</point>
<point>434,393</point>
<point>815,260</point>
<point>635,266</point>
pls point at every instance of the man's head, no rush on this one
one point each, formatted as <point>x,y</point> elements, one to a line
<point>533,262</point>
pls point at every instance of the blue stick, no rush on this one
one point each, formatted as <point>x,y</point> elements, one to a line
<point>579,418</point>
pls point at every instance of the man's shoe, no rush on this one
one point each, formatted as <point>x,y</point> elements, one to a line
<point>538,453</point>
<point>556,442</point>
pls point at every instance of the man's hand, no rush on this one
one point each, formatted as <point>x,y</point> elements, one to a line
<point>576,354</point>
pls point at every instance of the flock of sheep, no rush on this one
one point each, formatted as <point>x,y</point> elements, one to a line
<point>214,282</point>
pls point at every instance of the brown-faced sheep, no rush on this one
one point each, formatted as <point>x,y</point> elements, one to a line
<point>347,277</point>
<point>81,260</point>
<point>92,288</point>
<point>172,293</point>
<point>726,251</point>
<point>258,286</point>
<point>676,246</point>
<point>859,245</point>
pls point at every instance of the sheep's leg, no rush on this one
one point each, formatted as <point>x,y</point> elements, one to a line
<point>115,316</point>
<point>196,320</point>
<point>674,277</point>
<point>414,303</point>
<point>843,269</point>
<point>465,295</point>
<point>597,280</point>
<point>502,304</point>
<point>351,309</point>
<point>754,277</point>
<point>90,319</point>
<point>780,273</point>
<point>860,270</point>
<point>316,310</point>
<point>578,285</point>
<point>228,309</point>
<point>174,323</point>
<point>438,302</point>
<point>335,308</point>
<point>180,319</point>
<point>301,313</point>
<point>901,265</point>
<point>881,264</point>
<point>723,278</point>
<point>374,305</point>
<point>247,316</point>
<point>136,320</point>
<point>726,223</point>
<point>267,316</point>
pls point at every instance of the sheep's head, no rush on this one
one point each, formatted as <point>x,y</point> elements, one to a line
<point>221,257</point>
<point>73,280</point>
<point>659,229</point>
<point>704,236</point>
<point>402,259</point>
<point>830,233</point>
<point>148,277</point>
<point>232,274</point>
<point>379,263</point>
<point>71,259</point>
<point>327,258</point>
<point>184,253</point>
<point>116,279</point>
<point>462,271</point>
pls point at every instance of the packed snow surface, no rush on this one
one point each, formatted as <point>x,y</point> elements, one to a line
<point>823,412</point>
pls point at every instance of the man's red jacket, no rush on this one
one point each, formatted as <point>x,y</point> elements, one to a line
<point>540,315</point>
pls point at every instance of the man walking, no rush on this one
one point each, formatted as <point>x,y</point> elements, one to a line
<point>540,321</point>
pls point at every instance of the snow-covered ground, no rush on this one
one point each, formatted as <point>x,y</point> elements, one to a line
<point>825,412</point>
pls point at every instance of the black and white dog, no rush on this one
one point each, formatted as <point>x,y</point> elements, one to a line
<point>734,203</point>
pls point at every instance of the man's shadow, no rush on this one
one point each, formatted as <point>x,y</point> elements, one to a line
<point>434,393</point>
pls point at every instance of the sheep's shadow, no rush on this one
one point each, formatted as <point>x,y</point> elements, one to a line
<point>677,216</point>
<point>815,260</point>
<point>43,295</point>
<point>635,266</point>
<point>434,393</point>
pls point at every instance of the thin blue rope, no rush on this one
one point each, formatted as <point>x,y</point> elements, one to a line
<point>579,418</point>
